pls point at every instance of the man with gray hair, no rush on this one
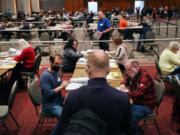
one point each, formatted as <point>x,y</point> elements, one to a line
<point>141,91</point>
<point>169,60</point>
<point>110,104</point>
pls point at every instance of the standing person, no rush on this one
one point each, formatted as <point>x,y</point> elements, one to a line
<point>8,13</point>
<point>71,56</point>
<point>104,28</point>
<point>27,56</point>
<point>141,91</point>
<point>51,84</point>
<point>110,104</point>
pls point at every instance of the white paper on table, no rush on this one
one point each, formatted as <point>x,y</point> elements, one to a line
<point>112,64</point>
<point>125,90</point>
<point>82,60</point>
<point>6,62</point>
<point>109,77</point>
<point>79,62</point>
<point>4,54</point>
<point>83,52</point>
<point>73,86</point>
<point>12,50</point>
<point>80,80</point>
<point>112,61</point>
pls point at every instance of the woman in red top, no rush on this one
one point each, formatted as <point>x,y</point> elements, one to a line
<point>27,56</point>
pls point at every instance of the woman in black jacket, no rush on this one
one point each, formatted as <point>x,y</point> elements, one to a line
<point>70,56</point>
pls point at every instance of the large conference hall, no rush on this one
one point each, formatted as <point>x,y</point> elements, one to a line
<point>89,67</point>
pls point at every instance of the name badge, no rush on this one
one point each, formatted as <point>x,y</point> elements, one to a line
<point>101,24</point>
<point>58,79</point>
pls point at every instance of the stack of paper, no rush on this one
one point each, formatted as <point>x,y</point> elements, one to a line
<point>4,54</point>
<point>6,62</point>
<point>73,86</point>
<point>112,75</point>
<point>80,80</point>
<point>90,51</point>
<point>125,90</point>
<point>112,65</point>
<point>112,61</point>
<point>82,60</point>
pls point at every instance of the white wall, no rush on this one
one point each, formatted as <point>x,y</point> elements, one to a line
<point>35,5</point>
<point>24,5</point>
<point>7,4</point>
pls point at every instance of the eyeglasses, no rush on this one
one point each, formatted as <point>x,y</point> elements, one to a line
<point>129,70</point>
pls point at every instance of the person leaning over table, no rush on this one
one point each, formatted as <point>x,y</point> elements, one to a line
<point>71,56</point>
<point>51,84</point>
<point>169,61</point>
<point>27,56</point>
<point>141,91</point>
<point>110,104</point>
<point>104,28</point>
<point>121,52</point>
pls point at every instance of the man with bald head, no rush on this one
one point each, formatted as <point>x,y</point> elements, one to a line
<point>110,104</point>
<point>104,28</point>
<point>141,91</point>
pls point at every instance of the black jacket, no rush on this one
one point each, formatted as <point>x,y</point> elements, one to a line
<point>70,57</point>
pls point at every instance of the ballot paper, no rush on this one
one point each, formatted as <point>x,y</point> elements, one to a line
<point>112,65</point>
<point>73,86</point>
<point>125,90</point>
<point>112,61</point>
<point>82,60</point>
<point>80,80</point>
<point>112,75</point>
<point>4,54</point>
<point>6,62</point>
<point>12,50</point>
<point>90,51</point>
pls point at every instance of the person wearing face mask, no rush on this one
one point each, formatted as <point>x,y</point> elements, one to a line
<point>51,85</point>
<point>141,91</point>
<point>113,110</point>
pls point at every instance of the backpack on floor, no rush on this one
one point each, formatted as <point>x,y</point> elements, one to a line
<point>85,121</point>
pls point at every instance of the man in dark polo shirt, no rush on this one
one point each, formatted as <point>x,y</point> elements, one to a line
<point>104,28</point>
<point>142,92</point>
<point>110,104</point>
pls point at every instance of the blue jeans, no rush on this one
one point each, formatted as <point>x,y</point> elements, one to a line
<point>56,129</point>
<point>175,72</point>
<point>139,42</point>
<point>138,111</point>
<point>53,109</point>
